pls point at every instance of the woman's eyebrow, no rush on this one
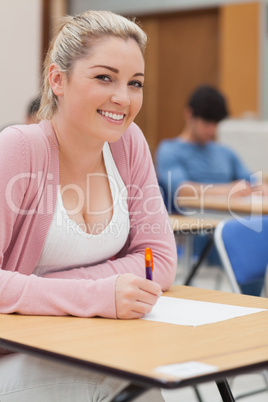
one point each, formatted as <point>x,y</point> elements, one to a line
<point>108,68</point>
<point>138,75</point>
<point>114,70</point>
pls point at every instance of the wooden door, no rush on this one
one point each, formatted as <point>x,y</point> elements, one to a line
<point>182,53</point>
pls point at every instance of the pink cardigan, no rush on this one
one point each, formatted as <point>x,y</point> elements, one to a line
<point>28,191</point>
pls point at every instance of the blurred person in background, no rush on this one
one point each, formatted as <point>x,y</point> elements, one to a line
<point>193,161</point>
<point>32,111</point>
<point>194,164</point>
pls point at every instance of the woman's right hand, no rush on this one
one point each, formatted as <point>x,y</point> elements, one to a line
<point>135,296</point>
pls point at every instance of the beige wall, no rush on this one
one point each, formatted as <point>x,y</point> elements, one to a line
<point>143,7</point>
<point>20,40</point>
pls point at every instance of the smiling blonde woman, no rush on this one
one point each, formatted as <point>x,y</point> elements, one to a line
<point>80,203</point>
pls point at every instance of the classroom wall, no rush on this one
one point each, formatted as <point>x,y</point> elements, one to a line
<point>142,7</point>
<point>263,81</point>
<point>247,87</point>
<point>20,36</point>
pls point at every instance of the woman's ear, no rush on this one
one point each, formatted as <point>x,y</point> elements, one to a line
<point>56,78</point>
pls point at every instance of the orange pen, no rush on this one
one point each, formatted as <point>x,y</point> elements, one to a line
<point>149,264</point>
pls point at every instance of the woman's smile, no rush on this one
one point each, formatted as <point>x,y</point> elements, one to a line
<point>114,116</point>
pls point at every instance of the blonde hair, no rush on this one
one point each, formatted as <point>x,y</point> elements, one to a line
<point>72,41</point>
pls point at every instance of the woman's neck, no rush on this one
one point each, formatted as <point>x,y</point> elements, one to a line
<point>77,152</point>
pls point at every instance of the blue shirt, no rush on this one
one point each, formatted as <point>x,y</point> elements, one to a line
<point>178,161</point>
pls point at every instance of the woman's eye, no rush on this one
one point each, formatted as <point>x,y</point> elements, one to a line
<point>104,77</point>
<point>136,84</point>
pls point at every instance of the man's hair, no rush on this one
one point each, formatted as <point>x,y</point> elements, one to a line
<point>34,106</point>
<point>208,103</point>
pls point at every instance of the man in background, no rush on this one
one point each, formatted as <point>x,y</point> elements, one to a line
<point>193,162</point>
<point>32,110</point>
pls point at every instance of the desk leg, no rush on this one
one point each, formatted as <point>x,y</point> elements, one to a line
<point>203,255</point>
<point>129,393</point>
<point>188,253</point>
<point>186,242</point>
<point>197,394</point>
<point>225,391</point>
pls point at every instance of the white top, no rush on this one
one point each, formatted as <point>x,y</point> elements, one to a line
<point>68,246</point>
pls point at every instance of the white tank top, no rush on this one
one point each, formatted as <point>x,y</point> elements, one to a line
<point>68,246</point>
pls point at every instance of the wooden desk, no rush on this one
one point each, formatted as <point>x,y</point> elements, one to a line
<point>132,349</point>
<point>240,205</point>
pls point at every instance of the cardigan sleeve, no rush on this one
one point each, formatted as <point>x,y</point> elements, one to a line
<point>149,221</point>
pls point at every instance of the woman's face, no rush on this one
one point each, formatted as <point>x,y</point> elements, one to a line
<point>104,91</point>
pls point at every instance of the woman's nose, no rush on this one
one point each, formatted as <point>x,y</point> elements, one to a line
<point>121,96</point>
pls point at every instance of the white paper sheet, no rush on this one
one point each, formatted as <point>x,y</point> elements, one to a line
<point>193,313</point>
